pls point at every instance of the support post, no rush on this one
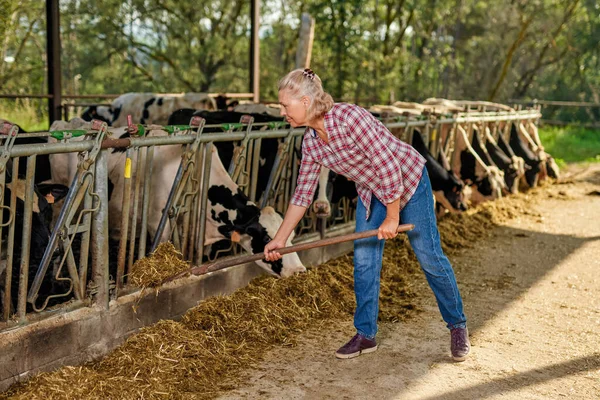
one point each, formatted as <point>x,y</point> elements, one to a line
<point>255,50</point>
<point>100,232</point>
<point>53,57</point>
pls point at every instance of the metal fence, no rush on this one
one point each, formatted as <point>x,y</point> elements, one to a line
<point>561,113</point>
<point>87,255</point>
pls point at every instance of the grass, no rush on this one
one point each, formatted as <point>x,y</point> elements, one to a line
<point>29,114</point>
<point>571,144</point>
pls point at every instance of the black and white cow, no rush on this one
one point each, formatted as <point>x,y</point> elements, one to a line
<point>147,108</point>
<point>447,188</point>
<point>39,236</point>
<point>512,166</point>
<point>486,181</point>
<point>521,149</point>
<point>268,149</point>
<point>549,167</point>
<point>230,212</point>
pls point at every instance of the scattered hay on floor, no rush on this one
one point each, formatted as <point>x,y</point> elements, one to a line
<point>164,262</point>
<point>202,355</point>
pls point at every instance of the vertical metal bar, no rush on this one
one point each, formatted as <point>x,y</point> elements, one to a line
<point>254,169</point>
<point>11,242</point>
<point>72,268</point>
<point>146,201</point>
<point>165,214</point>
<point>204,197</point>
<point>53,56</point>
<point>100,232</point>
<point>124,220</point>
<point>136,202</point>
<point>85,239</point>
<point>8,267</point>
<point>255,50</point>
<point>193,255</point>
<point>186,219</point>
<point>25,243</point>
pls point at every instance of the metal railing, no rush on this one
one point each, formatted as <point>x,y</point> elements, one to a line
<point>561,113</point>
<point>129,166</point>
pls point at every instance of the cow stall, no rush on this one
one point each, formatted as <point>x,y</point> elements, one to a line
<point>87,265</point>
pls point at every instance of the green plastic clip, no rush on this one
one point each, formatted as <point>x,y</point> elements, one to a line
<point>60,135</point>
<point>176,128</point>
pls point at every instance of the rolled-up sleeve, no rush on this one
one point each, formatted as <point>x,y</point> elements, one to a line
<point>308,177</point>
<point>371,136</point>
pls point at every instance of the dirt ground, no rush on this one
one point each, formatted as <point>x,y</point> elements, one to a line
<point>532,298</point>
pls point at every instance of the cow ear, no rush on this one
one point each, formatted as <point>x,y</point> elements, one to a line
<point>53,191</point>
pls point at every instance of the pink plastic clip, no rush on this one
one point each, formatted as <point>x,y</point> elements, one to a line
<point>6,128</point>
<point>196,121</point>
<point>96,124</point>
<point>246,119</point>
<point>131,128</point>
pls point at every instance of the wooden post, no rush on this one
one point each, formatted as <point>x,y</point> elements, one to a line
<point>305,41</point>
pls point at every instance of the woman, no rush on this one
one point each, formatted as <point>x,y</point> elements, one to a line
<point>392,184</point>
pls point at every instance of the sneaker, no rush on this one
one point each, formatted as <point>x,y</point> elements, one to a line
<point>358,345</point>
<point>459,343</point>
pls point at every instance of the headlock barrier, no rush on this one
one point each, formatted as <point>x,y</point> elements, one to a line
<point>81,230</point>
<point>67,250</point>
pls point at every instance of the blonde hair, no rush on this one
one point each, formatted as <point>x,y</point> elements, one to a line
<point>304,82</point>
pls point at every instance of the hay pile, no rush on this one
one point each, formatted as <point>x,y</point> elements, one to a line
<point>164,262</point>
<point>201,355</point>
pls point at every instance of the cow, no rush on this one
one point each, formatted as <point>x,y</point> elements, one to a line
<point>549,168</point>
<point>230,215</point>
<point>273,110</point>
<point>486,181</point>
<point>268,149</point>
<point>484,156</point>
<point>146,108</point>
<point>447,188</point>
<point>512,166</point>
<point>521,149</point>
<point>43,197</point>
<point>331,189</point>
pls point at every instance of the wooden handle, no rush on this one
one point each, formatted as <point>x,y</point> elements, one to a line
<point>230,262</point>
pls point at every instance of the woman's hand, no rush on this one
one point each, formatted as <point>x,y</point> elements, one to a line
<point>270,250</point>
<point>388,228</point>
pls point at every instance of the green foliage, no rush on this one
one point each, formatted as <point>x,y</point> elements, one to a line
<point>571,144</point>
<point>30,115</point>
<point>372,51</point>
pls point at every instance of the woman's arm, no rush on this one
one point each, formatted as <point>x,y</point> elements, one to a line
<point>293,215</point>
<point>387,229</point>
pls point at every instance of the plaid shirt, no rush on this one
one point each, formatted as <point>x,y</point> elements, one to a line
<point>362,149</point>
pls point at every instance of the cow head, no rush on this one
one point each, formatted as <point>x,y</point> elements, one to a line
<point>552,167</point>
<point>455,194</point>
<point>41,218</point>
<point>239,219</point>
<point>322,204</point>
<point>268,223</point>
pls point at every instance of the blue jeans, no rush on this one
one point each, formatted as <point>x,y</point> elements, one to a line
<point>425,241</point>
